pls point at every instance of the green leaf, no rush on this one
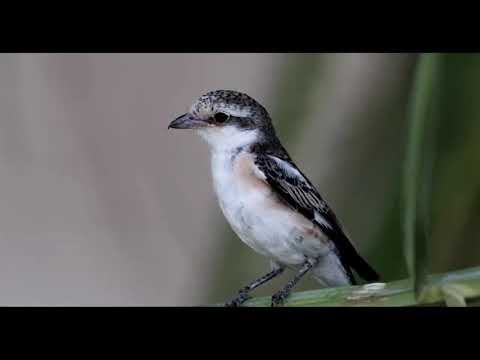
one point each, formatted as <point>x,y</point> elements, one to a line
<point>418,170</point>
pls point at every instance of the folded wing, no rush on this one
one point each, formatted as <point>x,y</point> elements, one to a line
<point>298,192</point>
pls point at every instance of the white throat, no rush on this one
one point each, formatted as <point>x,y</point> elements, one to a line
<point>228,138</point>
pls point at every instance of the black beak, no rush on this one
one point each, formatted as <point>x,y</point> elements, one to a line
<point>187,121</point>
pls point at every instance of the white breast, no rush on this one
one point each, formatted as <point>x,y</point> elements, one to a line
<point>255,213</point>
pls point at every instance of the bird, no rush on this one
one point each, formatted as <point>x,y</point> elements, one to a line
<point>267,200</point>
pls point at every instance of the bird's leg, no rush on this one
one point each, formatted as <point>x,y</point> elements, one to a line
<point>243,292</point>
<point>280,296</point>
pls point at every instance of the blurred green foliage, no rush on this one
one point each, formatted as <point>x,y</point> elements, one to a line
<point>455,239</point>
<point>419,165</point>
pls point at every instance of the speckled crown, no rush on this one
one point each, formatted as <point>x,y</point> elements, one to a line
<point>228,98</point>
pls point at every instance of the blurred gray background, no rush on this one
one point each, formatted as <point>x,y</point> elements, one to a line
<point>101,205</point>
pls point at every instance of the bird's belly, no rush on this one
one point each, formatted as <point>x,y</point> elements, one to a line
<point>270,228</point>
<point>259,217</point>
<point>263,232</point>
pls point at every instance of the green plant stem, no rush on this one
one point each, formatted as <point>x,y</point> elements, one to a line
<point>450,288</point>
<point>416,225</point>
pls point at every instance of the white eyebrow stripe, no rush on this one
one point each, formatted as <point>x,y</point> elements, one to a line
<point>207,110</point>
<point>239,112</point>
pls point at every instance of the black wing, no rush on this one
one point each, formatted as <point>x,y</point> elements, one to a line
<point>297,191</point>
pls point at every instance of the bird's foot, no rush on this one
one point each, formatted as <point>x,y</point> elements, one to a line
<point>279,297</point>
<point>239,300</point>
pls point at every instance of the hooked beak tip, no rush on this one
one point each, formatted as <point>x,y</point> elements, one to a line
<point>186,121</point>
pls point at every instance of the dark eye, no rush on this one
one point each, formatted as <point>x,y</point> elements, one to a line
<point>220,117</point>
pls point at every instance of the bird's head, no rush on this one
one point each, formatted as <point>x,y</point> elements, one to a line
<point>227,120</point>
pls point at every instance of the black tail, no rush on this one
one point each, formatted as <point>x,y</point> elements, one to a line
<point>351,259</point>
<point>347,253</point>
<point>363,269</point>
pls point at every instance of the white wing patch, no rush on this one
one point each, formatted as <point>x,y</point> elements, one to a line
<point>307,199</point>
<point>321,220</point>
<point>259,173</point>
<point>285,166</point>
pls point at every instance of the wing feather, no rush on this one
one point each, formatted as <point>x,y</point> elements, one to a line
<point>300,195</point>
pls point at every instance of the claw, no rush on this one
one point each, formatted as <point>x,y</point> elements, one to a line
<point>233,303</point>
<point>278,298</point>
<point>239,300</point>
